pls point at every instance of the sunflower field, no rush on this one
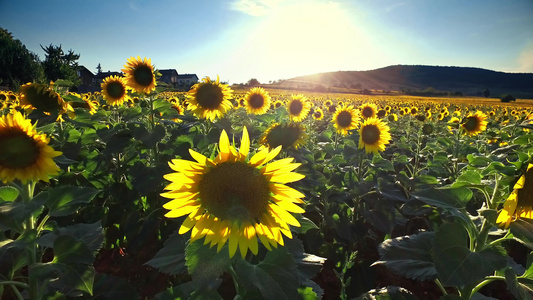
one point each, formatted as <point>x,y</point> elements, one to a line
<point>142,192</point>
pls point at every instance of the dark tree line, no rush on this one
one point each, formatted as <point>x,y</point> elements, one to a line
<point>18,65</point>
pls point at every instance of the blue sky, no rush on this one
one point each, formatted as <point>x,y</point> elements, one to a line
<point>279,39</point>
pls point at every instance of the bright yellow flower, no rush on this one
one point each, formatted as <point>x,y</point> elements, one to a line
<point>209,99</point>
<point>368,110</point>
<point>36,96</point>
<point>114,90</point>
<point>374,135</point>
<point>474,123</point>
<point>233,199</point>
<point>257,101</point>
<point>318,114</point>
<point>345,118</point>
<point>24,154</point>
<point>140,74</point>
<point>298,107</point>
<point>520,201</point>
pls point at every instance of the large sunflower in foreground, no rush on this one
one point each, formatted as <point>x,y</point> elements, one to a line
<point>233,199</point>
<point>209,99</point>
<point>140,74</point>
<point>520,201</point>
<point>474,123</point>
<point>345,118</point>
<point>115,90</point>
<point>298,107</point>
<point>374,135</point>
<point>40,97</point>
<point>24,154</point>
<point>257,101</point>
<point>289,135</point>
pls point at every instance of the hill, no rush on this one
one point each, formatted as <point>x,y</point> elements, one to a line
<point>423,79</point>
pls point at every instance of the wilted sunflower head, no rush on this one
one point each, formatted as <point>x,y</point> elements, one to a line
<point>288,135</point>
<point>345,118</point>
<point>235,199</point>
<point>368,110</point>
<point>140,74</point>
<point>257,101</point>
<point>209,99</point>
<point>24,154</point>
<point>392,117</point>
<point>519,204</point>
<point>298,107</point>
<point>42,98</point>
<point>374,135</point>
<point>114,90</point>
<point>474,123</point>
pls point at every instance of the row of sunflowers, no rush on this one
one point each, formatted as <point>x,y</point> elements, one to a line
<point>144,192</point>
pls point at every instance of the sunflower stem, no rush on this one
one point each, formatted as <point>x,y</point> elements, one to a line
<point>441,287</point>
<point>27,196</point>
<point>235,279</point>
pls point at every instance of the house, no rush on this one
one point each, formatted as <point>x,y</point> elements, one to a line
<point>85,75</point>
<point>169,76</point>
<point>99,78</point>
<point>187,79</point>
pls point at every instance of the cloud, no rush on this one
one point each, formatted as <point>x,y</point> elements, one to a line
<point>254,7</point>
<point>526,59</point>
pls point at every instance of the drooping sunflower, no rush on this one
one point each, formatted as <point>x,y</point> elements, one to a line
<point>24,153</point>
<point>318,114</point>
<point>209,99</point>
<point>36,96</point>
<point>179,109</point>
<point>257,101</point>
<point>289,135</point>
<point>374,134</point>
<point>233,199</point>
<point>115,90</point>
<point>140,74</point>
<point>519,204</point>
<point>368,110</point>
<point>474,123</point>
<point>345,118</point>
<point>298,107</point>
<point>453,123</point>
<point>88,103</point>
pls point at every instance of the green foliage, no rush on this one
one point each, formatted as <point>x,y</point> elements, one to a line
<point>58,65</point>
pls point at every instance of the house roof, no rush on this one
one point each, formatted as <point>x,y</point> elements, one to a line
<point>168,72</point>
<point>185,76</point>
<point>106,74</point>
<point>83,68</point>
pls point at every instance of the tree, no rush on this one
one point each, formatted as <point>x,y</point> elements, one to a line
<point>253,82</point>
<point>507,98</point>
<point>18,65</point>
<point>486,93</point>
<point>58,65</point>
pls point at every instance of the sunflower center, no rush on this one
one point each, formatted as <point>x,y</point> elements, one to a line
<point>235,191</point>
<point>17,150</point>
<point>370,134</point>
<point>41,98</point>
<point>525,194</point>
<point>317,114</point>
<point>344,119</point>
<point>471,123</point>
<point>367,112</point>
<point>116,90</point>
<point>296,107</point>
<point>256,101</point>
<point>284,136</point>
<point>143,75</point>
<point>209,96</point>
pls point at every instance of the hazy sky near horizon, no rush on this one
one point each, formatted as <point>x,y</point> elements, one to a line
<point>279,39</point>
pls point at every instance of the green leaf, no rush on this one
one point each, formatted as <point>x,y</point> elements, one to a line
<point>13,215</point>
<point>409,256</point>
<point>522,230</point>
<point>306,224</point>
<point>14,254</point>
<point>89,234</point>
<point>171,258</point>
<point>383,164</point>
<point>447,198</point>
<point>456,265</point>
<point>468,178</point>
<point>388,293</point>
<point>8,193</point>
<point>478,161</point>
<point>67,250</point>
<point>65,200</point>
<point>69,279</point>
<point>275,277</point>
<point>206,264</point>
<point>514,286</point>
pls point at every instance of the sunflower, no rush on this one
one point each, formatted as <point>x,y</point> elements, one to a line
<point>345,118</point>
<point>233,199</point>
<point>374,135</point>
<point>520,201</point>
<point>453,123</point>
<point>278,104</point>
<point>179,109</point>
<point>392,117</point>
<point>474,123</point>
<point>257,101</point>
<point>87,103</point>
<point>368,110</point>
<point>209,99</point>
<point>24,154</point>
<point>290,135</point>
<point>114,90</point>
<point>318,114</point>
<point>140,74</point>
<point>36,96</point>
<point>298,107</point>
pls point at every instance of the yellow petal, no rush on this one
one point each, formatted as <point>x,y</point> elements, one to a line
<point>187,224</point>
<point>233,240</point>
<point>178,203</point>
<point>284,215</point>
<point>202,160</point>
<point>176,213</point>
<point>290,207</point>
<point>286,177</point>
<point>284,190</point>
<point>245,143</point>
<point>280,164</point>
<point>224,144</point>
